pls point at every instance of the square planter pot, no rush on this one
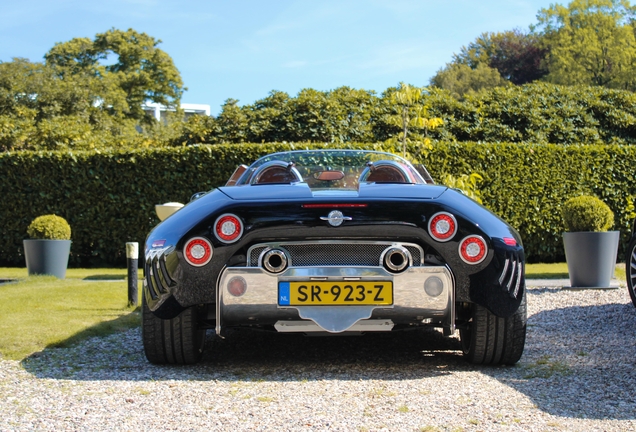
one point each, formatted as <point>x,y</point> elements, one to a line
<point>47,257</point>
<point>591,257</point>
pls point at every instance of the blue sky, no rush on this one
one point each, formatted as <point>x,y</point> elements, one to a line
<point>243,49</point>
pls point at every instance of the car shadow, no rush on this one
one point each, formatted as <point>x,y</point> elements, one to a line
<point>600,347</point>
<point>561,372</point>
<point>256,356</point>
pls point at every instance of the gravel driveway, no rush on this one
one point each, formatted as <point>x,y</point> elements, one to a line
<point>578,372</point>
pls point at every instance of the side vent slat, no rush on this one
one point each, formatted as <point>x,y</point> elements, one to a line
<point>150,280</point>
<point>511,275</point>
<point>518,284</point>
<point>504,271</point>
<point>511,280</point>
<point>157,276</point>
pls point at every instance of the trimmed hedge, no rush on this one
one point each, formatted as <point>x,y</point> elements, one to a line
<point>108,197</point>
<point>528,184</point>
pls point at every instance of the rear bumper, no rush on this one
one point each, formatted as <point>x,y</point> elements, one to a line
<point>259,305</point>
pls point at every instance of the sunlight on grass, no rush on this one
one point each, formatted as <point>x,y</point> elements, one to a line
<point>43,311</point>
<point>560,271</point>
<point>547,271</point>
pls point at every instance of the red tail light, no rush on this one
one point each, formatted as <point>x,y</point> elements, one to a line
<point>198,251</point>
<point>442,226</point>
<point>228,228</point>
<point>473,249</point>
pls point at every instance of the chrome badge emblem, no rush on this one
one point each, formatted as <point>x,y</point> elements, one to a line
<point>335,218</point>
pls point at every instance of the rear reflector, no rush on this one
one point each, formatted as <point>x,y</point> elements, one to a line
<point>510,241</point>
<point>158,243</point>
<point>237,286</point>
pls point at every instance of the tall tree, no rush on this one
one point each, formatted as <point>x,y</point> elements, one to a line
<point>409,113</point>
<point>270,118</point>
<point>591,42</point>
<point>517,55</point>
<point>460,79</point>
<point>40,109</point>
<point>232,123</point>
<point>130,65</point>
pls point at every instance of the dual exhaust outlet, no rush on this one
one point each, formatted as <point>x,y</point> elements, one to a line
<point>394,259</point>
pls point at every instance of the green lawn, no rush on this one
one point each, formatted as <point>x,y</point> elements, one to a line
<point>560,271</point>
<point>41,311</point>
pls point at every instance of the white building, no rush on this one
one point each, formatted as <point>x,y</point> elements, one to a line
<point>159,111</point>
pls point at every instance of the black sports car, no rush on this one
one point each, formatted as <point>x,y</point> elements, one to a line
<point>630,265</point>
<point>328,242</point>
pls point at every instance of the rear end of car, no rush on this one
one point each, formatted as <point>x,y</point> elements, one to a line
<point>372,256</point>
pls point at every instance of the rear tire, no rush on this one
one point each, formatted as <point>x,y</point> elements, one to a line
<point>492,340</point>
<point>630,270</point>
<point>178,340</point>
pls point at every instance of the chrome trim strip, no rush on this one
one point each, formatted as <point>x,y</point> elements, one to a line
<point>311,327</point>
<point>519,276</point>
<point>512,276</point>
<point>503,272</point>
<point>217,306</point>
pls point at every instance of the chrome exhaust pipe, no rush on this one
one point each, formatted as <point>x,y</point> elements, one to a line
<point>396,259</point>
<point>274,260</point>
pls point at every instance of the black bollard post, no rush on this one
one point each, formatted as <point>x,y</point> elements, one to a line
<point>132,255</point>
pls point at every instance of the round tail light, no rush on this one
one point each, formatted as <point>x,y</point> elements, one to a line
<point>198,251</point>
<point>473,249</point>
<point>442,226</point>
<point>228,228</point>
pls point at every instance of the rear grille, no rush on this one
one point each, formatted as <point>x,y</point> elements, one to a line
<point>512,275</point>
<point>314,254</point>
<point>157,277</point>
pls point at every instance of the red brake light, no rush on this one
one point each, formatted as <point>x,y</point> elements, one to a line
<point>198,251</point>
<point>473,249</point>
<point>228,228</point>
<point>334,205</point>
<point>442,226</point>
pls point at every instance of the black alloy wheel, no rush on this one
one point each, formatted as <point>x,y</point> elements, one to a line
<point>492,340</point>
<point>630,269</point>
<point>178,340</point>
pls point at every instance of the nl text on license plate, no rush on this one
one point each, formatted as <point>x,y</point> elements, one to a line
<point>329,293</point>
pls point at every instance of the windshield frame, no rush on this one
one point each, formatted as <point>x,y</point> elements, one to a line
<point>352,163</point>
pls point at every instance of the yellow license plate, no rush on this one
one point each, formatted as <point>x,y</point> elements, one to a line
<point>330,293</point>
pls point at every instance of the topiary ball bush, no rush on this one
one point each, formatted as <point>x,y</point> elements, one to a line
<point>587,213</point>
<point>49,227</point>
